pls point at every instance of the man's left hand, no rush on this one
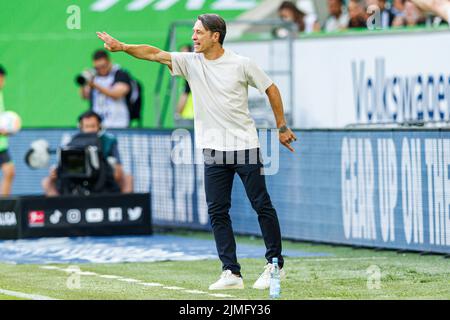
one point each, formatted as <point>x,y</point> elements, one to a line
<point>286,137</point>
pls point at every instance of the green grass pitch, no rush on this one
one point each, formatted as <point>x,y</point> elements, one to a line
<point>344,275</point>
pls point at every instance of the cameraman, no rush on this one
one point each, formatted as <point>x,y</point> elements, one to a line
<point>91,122</point>
<point>107,88</point>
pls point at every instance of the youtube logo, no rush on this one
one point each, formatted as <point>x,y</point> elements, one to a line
<point>36,218</point>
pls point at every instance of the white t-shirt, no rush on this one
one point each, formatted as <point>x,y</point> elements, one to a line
<point>220,94</point>
<point>336,24</point>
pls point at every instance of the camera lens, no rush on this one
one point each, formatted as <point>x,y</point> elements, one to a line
<point>80,80</point>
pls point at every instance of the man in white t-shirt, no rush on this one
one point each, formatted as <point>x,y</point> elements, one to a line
<point>219,81</point>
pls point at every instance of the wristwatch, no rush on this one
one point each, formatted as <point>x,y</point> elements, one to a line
<point>283,129</point>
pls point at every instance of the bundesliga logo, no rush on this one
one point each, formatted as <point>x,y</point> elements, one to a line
<point>36,218</point>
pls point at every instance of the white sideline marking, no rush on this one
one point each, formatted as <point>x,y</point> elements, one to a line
<point>130,280</point>
<point>86,273</point>
<point>151,284</point>
<point>109,276</point>
<point>25,295</point>
<point>220,295</point>
<point>173,288</point>
<point>71,270</point>
<point>50,267</point>
<point>196,291</point>
<point>343,259</point>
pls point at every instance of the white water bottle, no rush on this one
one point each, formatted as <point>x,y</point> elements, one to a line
<point>275,285</point>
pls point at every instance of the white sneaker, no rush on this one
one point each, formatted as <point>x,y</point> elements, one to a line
<point>227,280</point>
<point>263,281</point>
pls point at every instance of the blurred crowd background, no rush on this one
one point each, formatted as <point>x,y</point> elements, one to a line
<point>47,44</point>
<point>342,15</point>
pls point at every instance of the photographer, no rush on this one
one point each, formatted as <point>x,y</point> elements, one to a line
<point>91,122</point>
<point>107,88</point>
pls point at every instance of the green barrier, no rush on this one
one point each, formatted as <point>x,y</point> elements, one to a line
<point>43,55</point>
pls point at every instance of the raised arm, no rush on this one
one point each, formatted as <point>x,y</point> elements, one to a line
<point>140,51</point>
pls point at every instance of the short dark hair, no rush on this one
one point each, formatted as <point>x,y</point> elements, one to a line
<point>2,70</point>
<point>100,54</point>
<point>214,23</point>
<point>89,114</point>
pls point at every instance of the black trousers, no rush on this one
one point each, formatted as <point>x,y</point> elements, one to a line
<point>220,168</point>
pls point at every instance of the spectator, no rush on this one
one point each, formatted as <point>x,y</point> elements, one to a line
<point>398,7</point>
<point>107,91</point>
<point>288,11</point>
<point>6,164</point>
<point>91,122</point>
<point>412,16</point>
<point>357,16</point>
<point>387,16</point>
<point>337,19</point>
